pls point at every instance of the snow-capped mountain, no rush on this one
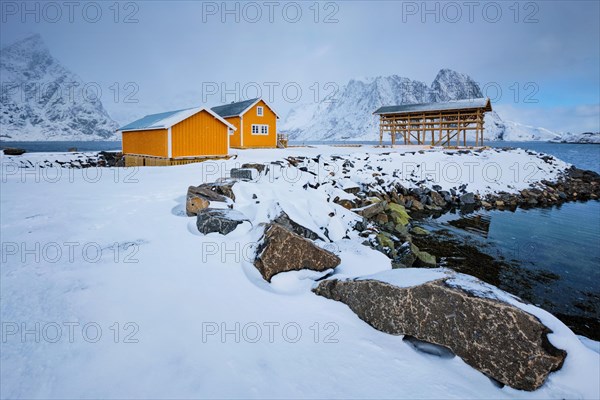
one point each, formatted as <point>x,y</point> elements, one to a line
<point>498,129</point>
<point>585,137</point>
<point>348,113</point>
<point>43,100</point>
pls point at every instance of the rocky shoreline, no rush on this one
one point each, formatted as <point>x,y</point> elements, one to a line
<point>391,226</point>
<point>471,320</point>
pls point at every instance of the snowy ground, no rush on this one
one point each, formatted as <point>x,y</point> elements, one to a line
<point>130,301</point>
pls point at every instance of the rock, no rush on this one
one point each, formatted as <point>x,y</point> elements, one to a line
<point>347,204</point>
<point>281,250</point>
<point>425,260</point>
<point>500,340</point>
<point>398,213</point>
<point>381,218</point>
<point>417,205</point>
<point>259,167</point>
<point>385,241</point>
<point>467,198</point>
<point>402,230</point>
<point>284,220</point>
<point>411,256</point>
<point>352,189</point>
<point>437,199</point>
<point>406,256</point>
<point>372,210</point>
<point>417,230</point>
<point>199,198</point>
<point>219,220</point>
<point>13,151</point>
<point>243,174</point>
<point>486,205</point>
<point>194,204</point>
<point>224,188</point>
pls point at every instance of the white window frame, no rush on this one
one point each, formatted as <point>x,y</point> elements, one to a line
<point>260,111</point>
<point>261,130</point>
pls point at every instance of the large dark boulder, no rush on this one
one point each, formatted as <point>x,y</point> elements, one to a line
<point>282,250</point>
<point>499,339</point>
<point>222,221</point>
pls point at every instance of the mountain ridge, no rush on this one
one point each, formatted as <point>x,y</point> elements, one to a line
<point>43,100</point>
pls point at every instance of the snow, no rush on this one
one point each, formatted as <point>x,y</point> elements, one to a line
<point>206,323</point>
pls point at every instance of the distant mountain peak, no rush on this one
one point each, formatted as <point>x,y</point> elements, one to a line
<point>38,100</point>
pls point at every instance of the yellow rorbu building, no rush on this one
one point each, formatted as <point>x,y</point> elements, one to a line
<point>176,137</point>
<point>255,123</point>
<point>195,134</point>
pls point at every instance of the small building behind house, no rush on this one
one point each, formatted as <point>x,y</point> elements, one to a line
<point>255,122</point>
<point>176,137</point>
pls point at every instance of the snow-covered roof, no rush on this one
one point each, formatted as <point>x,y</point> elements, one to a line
<point>238,108</point>
<point>168,119</point>
<point>439,106</point>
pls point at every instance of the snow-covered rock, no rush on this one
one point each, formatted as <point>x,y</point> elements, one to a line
<point>348,113</point>
<point>43,100</point>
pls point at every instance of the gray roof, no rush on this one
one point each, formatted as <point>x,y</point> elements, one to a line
<point>439,106</point>
<point>168,119</point>
<point>233,109</point>
<point>149,121</point>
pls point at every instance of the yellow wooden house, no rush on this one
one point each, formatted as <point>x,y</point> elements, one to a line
<point>176,137</point>
<point>255,122</point>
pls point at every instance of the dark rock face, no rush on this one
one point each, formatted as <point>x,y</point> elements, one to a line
<point>244,174</point>
<point>199,198</point>
<point>222,221</point>
<point>282,250</point>
<point>496,338</point>
<point>284,220</point>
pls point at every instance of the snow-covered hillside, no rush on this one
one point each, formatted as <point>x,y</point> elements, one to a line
<point>348,113</point>
<point>585,137</point>
<point>498,129</point>
<point>43,100</point>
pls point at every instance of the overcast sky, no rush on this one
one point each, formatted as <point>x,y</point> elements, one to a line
<point>543,56</point>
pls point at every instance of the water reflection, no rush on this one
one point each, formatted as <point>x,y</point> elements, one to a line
<point>549,256</point>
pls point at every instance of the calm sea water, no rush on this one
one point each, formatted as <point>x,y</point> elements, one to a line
<point>563,240</point>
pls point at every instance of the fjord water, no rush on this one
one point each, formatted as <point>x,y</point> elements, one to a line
<point>564,240</point>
